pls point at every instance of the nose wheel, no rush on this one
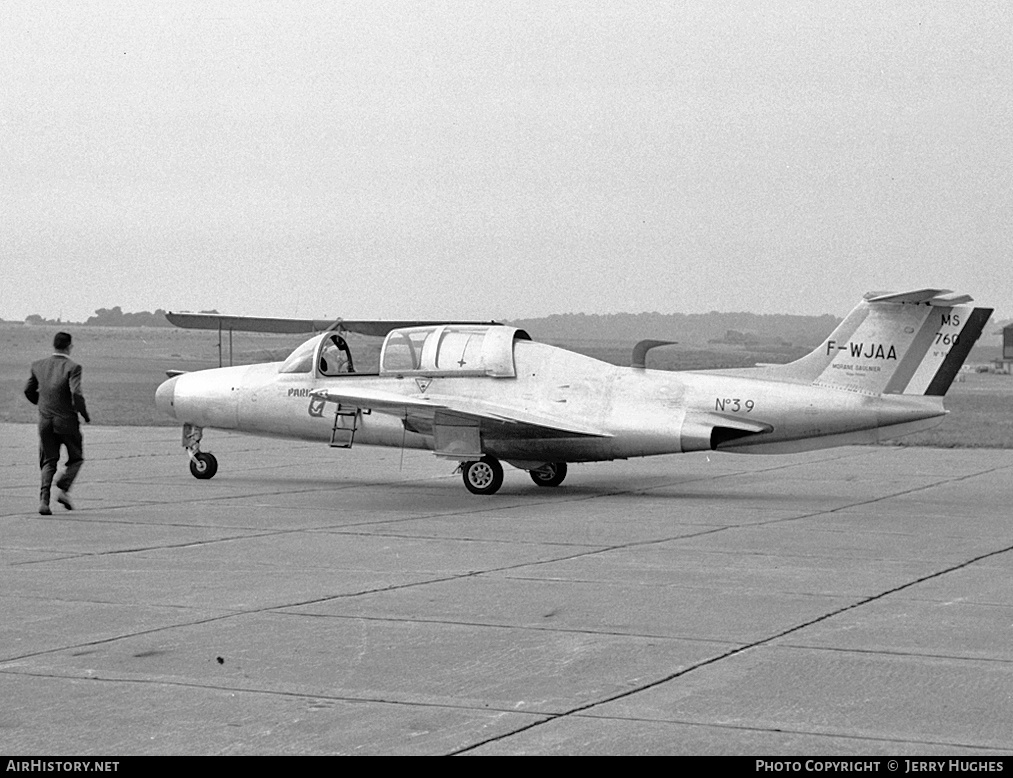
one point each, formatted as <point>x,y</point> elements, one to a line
<point>484,476</point>
<point>203,465</point>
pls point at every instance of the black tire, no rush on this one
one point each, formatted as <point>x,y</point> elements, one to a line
<point>205,467</point>
<point>484,476</point>
<point>551,475</point>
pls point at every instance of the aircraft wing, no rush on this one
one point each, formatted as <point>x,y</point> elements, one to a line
<point>217,321</point>
<point>516,421</point>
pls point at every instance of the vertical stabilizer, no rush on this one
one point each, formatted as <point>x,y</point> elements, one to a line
<point>910,343</point>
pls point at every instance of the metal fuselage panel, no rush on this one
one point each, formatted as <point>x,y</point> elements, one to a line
<point>641,412</point>
<point>258,400</point>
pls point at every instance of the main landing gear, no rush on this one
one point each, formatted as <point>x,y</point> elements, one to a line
<point>550,474</point>
<point>202,464</point>
<point>485,476</point>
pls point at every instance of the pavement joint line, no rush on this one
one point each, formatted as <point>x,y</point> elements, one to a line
<point>590,551</point>
<point>740,728</point>
<point>470,574</point>
<point>279,693</point>
<point>342,530</point>
<point>815,733</point>
<point>888,652</point>
<point>314,601</point>
<point>543,716</point>
<point>587,552</point>
<point>848,454</point>
<point>114,552</point>
<point>272,608</point>
<point>463,511</point>
<point>881,498</point>
<point>512,627</point>
<point>880,457</point>
<point>768,522</point>
<point>747,647</point>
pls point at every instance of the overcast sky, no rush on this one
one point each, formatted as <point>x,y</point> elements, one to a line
<point>502,159</point>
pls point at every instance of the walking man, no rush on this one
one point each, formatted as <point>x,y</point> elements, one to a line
<point>55,386</point>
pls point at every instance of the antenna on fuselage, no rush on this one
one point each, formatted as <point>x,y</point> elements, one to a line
<point>404,437</point>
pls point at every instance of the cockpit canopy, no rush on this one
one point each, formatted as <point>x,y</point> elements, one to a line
<point>445,349</point>
<point>451,349</point>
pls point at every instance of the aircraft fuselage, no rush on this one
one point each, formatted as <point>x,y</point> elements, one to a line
<point>637,412</point>
<point>479,393</point>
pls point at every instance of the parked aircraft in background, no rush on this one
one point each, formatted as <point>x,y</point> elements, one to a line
<point>484,393</point>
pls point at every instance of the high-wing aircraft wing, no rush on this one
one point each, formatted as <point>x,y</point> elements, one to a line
<point>283,326</point>
<point>217,321</point>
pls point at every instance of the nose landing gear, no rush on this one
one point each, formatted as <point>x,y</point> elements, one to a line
<point>202,464</point>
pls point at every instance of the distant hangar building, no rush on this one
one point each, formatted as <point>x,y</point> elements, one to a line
<point>1005,364</point>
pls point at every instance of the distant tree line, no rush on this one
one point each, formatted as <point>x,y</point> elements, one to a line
<point>113,317</point>
<point>750,340</point>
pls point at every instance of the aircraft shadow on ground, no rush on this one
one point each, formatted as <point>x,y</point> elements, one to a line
<point>516,487</point>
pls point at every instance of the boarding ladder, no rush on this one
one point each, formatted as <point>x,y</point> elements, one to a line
<point>346,422</point>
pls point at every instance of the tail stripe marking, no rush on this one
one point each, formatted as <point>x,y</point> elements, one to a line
<point>958,352</point>
<point>951,337</point>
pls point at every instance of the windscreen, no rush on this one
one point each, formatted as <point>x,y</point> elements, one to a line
<point>301,360</point>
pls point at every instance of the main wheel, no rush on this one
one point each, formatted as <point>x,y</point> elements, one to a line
<point>484,476</point>
<point>203,465</point>
<point>551,474</point>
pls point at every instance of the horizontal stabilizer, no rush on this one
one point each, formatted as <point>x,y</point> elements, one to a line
<point>639,358</point>
<point>940,297</point>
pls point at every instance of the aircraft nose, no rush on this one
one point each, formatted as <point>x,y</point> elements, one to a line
<point>165,397</point>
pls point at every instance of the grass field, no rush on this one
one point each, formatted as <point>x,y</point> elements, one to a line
<point>123,367</point>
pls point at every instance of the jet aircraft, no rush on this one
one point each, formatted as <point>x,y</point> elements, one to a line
<point>483,393</point>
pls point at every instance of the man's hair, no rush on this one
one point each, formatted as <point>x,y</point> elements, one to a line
<point>61,341</point>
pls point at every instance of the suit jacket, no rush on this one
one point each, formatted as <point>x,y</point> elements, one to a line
<point>55,386</point>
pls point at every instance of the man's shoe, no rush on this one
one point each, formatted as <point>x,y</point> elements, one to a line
<point>44,509</point>
<point>64,500</point>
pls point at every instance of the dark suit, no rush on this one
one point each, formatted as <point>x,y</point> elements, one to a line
<point>55,386</point>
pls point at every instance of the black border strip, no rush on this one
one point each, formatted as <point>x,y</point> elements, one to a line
<point>951,364</point>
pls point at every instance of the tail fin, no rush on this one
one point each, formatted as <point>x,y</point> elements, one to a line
<point>908,343</point>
